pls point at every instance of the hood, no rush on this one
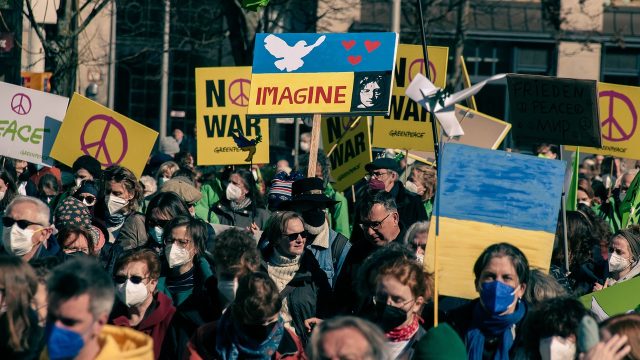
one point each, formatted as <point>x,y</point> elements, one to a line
<point>123,343</point>
<point>162,311</point>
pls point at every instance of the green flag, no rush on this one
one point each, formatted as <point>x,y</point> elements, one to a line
<point>630,206</point>
<point>572,192</point>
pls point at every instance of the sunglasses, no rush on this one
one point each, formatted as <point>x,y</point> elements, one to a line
<point>89,198</point>
<point>121,279</point>
<point>22,224</point>
<point>294,236</point>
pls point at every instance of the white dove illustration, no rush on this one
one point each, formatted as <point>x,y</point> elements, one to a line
<point>290,57</point>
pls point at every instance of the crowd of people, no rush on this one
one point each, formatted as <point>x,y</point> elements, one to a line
<point>263,262</point>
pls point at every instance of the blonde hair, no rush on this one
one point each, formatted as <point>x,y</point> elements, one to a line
<point>20,284</point>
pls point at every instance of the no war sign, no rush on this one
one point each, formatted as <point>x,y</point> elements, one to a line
<point>226,136</point>
<point>29,123</point>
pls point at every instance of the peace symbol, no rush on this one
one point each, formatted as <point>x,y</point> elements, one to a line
<point>21,104</point>
<point>239,92</point>
<point>103,122</point>
<point>420,70</point>
<point>612,130</point>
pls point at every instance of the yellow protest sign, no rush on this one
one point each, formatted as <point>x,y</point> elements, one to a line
<point>92,129</point>
<point>353,149</point>
<point>618,121</point>
<point>408,125</point>
<point>225,135</point>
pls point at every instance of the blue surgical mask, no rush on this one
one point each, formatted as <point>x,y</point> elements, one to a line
<point>62,343</point>
<point>497,296</point>
<point>156,234</point>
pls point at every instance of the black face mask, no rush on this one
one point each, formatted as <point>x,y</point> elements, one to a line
<point>75,254</point>
<point>258,333</point>
<point>315,217</point>
<point>389,317</point>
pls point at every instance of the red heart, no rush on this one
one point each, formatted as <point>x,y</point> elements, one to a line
<point>354,59</point>
<point>371,45</point>
<point>348,44</point>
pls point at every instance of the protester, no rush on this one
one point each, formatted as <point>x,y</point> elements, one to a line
<point>252,328</point>
<point>20,172</point>
<point>348,337</point>
<point>416,239</point>
<point>22,337</point>
<point>138,303</point>
<point>84,168</point>
<point>303,285</point>
<point>161,209</point>
<point>542,287</point>
<point>212,191</point>
<point>48,188</point>
<point>611,209</point>
<point>8,189</point>
<point>280,189</point>
<point>186,142</point>
<point>440,343</point>
<point>424,177</point>
<point>624,261</point>
<point>548,151</point>
<point>184,187</point>
<point>489,325</point>
<point>26,229</point>
<point>185,160</point>
<point>81,295</point>
<point>168,146</point>
<point>624,325</point>
<point>87,192</point>
<point>43,268</point>
<point>76,241</point>
<point>243,206</point>
<point>166,171</point>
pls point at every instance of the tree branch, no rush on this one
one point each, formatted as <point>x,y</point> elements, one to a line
<point>94,12</point>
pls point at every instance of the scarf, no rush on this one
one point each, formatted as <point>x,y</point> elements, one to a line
<point>282,268</point>
<point>237,206</point>
<point>232,344</point>
<point>115,221</point>
<point>321,234</point>
<point>492,325</point>
<point>404,333</point>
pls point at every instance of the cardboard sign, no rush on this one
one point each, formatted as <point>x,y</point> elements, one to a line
<point>226,136</point>
<point>327,74</point>
<point>553,110</point>
<point>491,196</point>
<point>353,151</point>
<point>29,123</point>
<point>480,130</point>
<point>408,125</point>
<point>614,300</point>
<point>92,129</point>
<point>618,121</point>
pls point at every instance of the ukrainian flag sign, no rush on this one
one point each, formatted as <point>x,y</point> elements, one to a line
<point>330,74</point>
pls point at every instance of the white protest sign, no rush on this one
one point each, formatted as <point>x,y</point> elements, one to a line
<point>29,123</point>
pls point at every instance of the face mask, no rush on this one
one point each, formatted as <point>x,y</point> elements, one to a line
<point>314,218</point>
<point>587,203</point>
<point>156,234</point>
<point>389,317</point>
<point>305,146</point>
<point>497,296</point>
<point>622,195</point>
<point>228,288</point>
<point>132,294</point>
<point>2,195</point>
<point>115,203</point>
<point>62,343</point>
<point>233,192</point>
<point>79,182</point>
<point>617,263</point>
<point>176,255</point>
<point>375,184</point>
<point>557,348</point>
<point>17,240</point>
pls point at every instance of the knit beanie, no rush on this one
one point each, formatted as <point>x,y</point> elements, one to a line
<point>88,163</point>
<point>88,187</point>
<point>72,212</point>
<point>280,189</point>
<point>632,235</point>
<point>440,343</point>
<point>168,145</point>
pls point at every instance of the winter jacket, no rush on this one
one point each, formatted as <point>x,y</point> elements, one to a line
<point>133,233</point>
<point>205,205</point>
<point>241,218</point>
<point>331,259</point>
<point>155,322</point>
<point>339,219</point>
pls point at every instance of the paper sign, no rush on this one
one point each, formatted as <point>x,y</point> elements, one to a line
<point>353,151</point>
<point>322,73</point>
<point>226,136</point>
<point>29,123</point>
<point>491,196</point>
<point>614,300</point>
<point>553,110</point>
<point>618,121</point>
<point>408,125</point>
<point>92,129</point>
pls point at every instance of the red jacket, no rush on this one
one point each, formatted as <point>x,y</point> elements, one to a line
<point>202,345</point>
<point>154,324</point>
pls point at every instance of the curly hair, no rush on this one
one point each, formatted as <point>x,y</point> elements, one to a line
<point>235,251</point>
<point>257,298</point>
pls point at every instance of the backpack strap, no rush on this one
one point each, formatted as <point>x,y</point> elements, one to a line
<point>340,247</point>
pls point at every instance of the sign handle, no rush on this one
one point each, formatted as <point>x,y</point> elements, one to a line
<point>471,102</point>
<point>563,209</point>
<point>352,126</point>
<point>315,141</point>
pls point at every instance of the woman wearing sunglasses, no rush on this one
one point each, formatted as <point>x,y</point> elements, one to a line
<point>138,303</point>
<point>303,285</point>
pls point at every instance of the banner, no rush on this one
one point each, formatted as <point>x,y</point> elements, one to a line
<point>618,121</point>
<point>329,74</point>
<point>353,149</point>
<point>92,129</point>
<point>614,300</point>
<point>408,125</point>
<point>552,110</point>
<point>225,135</point>
<point>491,196</point>
<point>29,123</point>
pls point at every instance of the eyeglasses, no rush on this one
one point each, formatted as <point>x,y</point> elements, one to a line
<point>382,299</point>
<point>22,224</point>
<point>90,199</point>
<point>373,224</point>
<point>121,279</point>
<point>375,174</point>
<point>294,236</point>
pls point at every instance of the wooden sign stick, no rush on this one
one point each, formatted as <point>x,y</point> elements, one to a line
<point>313,150</point>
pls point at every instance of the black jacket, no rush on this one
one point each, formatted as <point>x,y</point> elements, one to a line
<point>241,218</point>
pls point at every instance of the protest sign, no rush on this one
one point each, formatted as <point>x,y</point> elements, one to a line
<point>353,150</point>
<point>29,123</point>
<point>225,135</point>
<point>408,125</point>
<point>486,197</point>
<point>553,110</point>
<point>618,121</point>
<point>92,129</point>
<point>328,74</point>
<point>480,130</point>
<point>614,300</point>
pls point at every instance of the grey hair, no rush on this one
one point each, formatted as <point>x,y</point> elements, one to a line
<point>43,212</point>
<point>381,197</point>
<point>374,336</point>
<point>415,229</point>
<point>542,287</point>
